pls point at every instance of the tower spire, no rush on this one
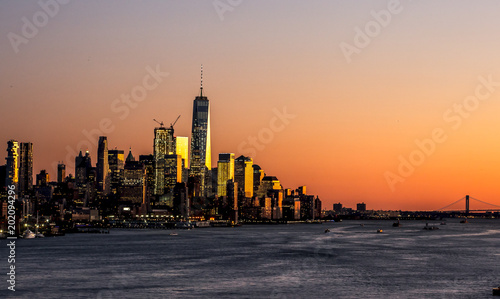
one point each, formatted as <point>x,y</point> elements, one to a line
<point>201,82</point>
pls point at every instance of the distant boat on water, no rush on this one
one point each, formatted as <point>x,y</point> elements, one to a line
<point>29,234</point>
<point>184,224</point>
<point>427,227</point>
<point>464,221</point>
<point>396,224</point>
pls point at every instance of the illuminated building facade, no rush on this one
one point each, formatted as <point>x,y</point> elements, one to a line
<point>225,172</point>
<point>243,175</point>
<point>258,175</point>
<point>269,183</point>
<point>12,165</point>
<point>201,156</point>
<point>160,149</point>
<point>26,167</point>
<point>173,170</point>
<point>182,149</point>
<point>103,182</point>
<point>133,189</point>
<point>116,161</point>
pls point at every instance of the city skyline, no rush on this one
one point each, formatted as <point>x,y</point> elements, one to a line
<point>415,104</point>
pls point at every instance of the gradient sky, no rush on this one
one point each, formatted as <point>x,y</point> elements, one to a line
<point>352,120</point>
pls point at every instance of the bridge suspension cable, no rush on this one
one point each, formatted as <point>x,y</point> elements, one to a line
<point>450,204</point>
<point>485,202</point>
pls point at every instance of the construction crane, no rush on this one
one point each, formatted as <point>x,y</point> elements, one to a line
<point>161,123</point>
<point>173,124</point>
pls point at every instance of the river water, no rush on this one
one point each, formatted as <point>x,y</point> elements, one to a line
<point>264,261</point>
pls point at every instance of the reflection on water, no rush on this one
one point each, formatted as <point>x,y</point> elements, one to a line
<point>279,261</point>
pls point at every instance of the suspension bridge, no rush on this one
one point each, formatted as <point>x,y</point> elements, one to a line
<point>467,199</point>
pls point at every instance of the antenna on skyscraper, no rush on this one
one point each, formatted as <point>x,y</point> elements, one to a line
<point>201,83</point>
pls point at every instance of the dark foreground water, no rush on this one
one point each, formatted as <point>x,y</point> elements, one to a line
<point>282,261</point>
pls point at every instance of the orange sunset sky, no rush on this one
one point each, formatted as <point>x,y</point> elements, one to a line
<point>365,81</point>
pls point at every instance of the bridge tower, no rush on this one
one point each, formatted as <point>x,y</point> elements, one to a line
<point>467,204</point>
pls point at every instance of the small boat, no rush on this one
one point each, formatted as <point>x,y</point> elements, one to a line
<point>327,230</point>
<point>174,234</point>
<point>496,291</point>
<point>29,234</point>
<point>464,221</point>
<point>427,227</point>
<point>396,224</point>
<point>379,231</point>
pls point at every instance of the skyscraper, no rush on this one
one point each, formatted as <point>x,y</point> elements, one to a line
<point>103,166</point>
<point>61,173</point>
<point>42,179</point>
<point>116,161</point>
<point>243,175</point>
<point>12,165</point>
<point>173,171</point>
<point>182,149</point>
<point>269,183</point>
<point>26,167</point>
<point>258,175</point>
<point>201,156</point>
<point>83,166</point>
<point>133,189</point>
<point>160,149</point>
<point>149,164</point>
<point>225,172</point>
